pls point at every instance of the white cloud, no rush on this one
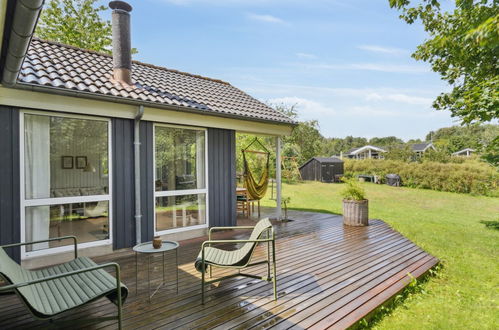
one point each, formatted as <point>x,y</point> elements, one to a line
<point>417,97</point>
<point>265,18</point>
<point>369,111</point>
<point>390,68</point>
<point>306,56</point>
<point>400,98</point>
<point>382,67</point>
<point>382,49</point>
<point>307,109</point>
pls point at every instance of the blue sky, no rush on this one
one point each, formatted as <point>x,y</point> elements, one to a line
<point>345,63</point>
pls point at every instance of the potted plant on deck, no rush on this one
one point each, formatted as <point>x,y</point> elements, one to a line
<point>355,204</point>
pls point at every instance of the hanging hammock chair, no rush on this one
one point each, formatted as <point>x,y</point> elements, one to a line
<point>256,188</point>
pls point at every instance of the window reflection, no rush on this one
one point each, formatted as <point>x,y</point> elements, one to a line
<point>89,221</point>
<point>180,211</point>
<point>180,159</point>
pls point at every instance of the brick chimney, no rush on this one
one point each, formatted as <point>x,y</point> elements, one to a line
<point>122,57</point>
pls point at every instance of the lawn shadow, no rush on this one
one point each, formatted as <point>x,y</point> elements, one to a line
<point>308,209</point>
<point>491,224</point>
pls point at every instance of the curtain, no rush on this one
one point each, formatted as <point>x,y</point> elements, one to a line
<point>37,177</point>
<point>200,160</point>
<point>200,173</point>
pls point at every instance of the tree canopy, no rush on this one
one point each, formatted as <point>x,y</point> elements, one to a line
<point>463,47</point>
<point>77,23</point>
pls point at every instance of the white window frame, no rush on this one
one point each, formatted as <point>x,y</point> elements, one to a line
<point>181,192</point>
<point>63,200</point>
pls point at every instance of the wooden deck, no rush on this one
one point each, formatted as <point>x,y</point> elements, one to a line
<point>328,276</point>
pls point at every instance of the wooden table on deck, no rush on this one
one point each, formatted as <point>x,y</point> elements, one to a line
<point>246,204</point>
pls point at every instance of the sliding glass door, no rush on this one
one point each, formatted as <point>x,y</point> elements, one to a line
<point>180,178</point>
<point>65,183</point>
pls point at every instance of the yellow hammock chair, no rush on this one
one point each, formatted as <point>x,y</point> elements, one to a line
<point>256,188</point>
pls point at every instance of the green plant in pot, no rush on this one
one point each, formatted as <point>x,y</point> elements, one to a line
<point>355,204</point>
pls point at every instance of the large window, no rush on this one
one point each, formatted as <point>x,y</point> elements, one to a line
<point>180,177</point>
<point>66,180</point>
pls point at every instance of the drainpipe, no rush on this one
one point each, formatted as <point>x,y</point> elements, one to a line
<point>136,157</point>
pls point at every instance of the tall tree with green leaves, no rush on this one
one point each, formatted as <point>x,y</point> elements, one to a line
<point>463,47</point>
<point>77,23</point>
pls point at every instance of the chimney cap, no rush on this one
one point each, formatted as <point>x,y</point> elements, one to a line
<point>120,5</point>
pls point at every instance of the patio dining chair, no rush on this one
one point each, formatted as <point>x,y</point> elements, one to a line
<point>57,289</point>
<point>210,256</point>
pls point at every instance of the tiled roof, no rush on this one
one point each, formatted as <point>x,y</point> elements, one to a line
<point>69,68</point>
<point>420,146</point>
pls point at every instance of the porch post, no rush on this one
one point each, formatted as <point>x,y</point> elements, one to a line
<point>278,177</point>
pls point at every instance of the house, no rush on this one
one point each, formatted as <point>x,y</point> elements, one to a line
<point>112,150</point>
<point>420,148</point>
<point>366,152</point>
<point>324,169</point>
<point>466,152</point>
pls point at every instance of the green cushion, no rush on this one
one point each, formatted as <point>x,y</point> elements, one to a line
<point>50,298</point>
<point>235,258</point>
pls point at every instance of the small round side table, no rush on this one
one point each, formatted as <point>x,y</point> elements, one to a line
<point>147,248</point>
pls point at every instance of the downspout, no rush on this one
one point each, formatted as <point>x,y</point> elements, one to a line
<point>23,26</point>
<point>136,157</point>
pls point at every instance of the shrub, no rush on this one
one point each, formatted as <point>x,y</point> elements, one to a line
<point>471,176</point>
<point>353,191</point>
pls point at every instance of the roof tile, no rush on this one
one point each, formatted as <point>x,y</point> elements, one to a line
<point>66,67</point>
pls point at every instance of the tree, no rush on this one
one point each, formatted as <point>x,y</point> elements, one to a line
<point>385,141</point>
<point>463,47</point>
<point>305,141</point>
<point>400,152</point>
<point>77,23</point>
<point>456,138</point>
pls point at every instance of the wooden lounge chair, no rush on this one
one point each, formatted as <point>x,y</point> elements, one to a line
<point>238,259</point>
<point>51,291</point>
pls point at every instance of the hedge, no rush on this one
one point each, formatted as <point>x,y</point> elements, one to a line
<point>473,177</point>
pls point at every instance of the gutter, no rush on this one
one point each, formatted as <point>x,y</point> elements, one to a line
<point>122,100</point>
<point>26,15</point>
<point>136,156</point>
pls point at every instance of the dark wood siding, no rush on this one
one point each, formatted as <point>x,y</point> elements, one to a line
<point>222,177</point>
<point>123,183</point>
<point>146,180</point>
<point>312,170</point>
<point>10,221</point>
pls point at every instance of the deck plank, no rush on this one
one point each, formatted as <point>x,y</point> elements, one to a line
<point>329,276</point>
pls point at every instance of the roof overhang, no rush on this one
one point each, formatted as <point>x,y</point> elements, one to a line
<point>368,147</point>
<point>19,22</point>
<point>44,98</point>
<point>429,145</point>
<point>6,15</point>
<point>463,151</point>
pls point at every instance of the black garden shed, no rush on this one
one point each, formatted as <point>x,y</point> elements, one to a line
<point>322,169</point>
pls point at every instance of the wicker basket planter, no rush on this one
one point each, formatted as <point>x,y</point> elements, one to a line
<point>355,213</point>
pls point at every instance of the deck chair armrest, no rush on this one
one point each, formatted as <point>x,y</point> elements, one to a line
<point>233,227</point>
<point>75,243</point>
<point>205,243</point>
<point>227,228</point>
<point>75,272</point>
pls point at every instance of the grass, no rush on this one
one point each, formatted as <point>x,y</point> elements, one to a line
<point>465,291</point>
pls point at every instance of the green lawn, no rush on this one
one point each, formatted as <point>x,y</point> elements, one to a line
<point>464,294</point>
